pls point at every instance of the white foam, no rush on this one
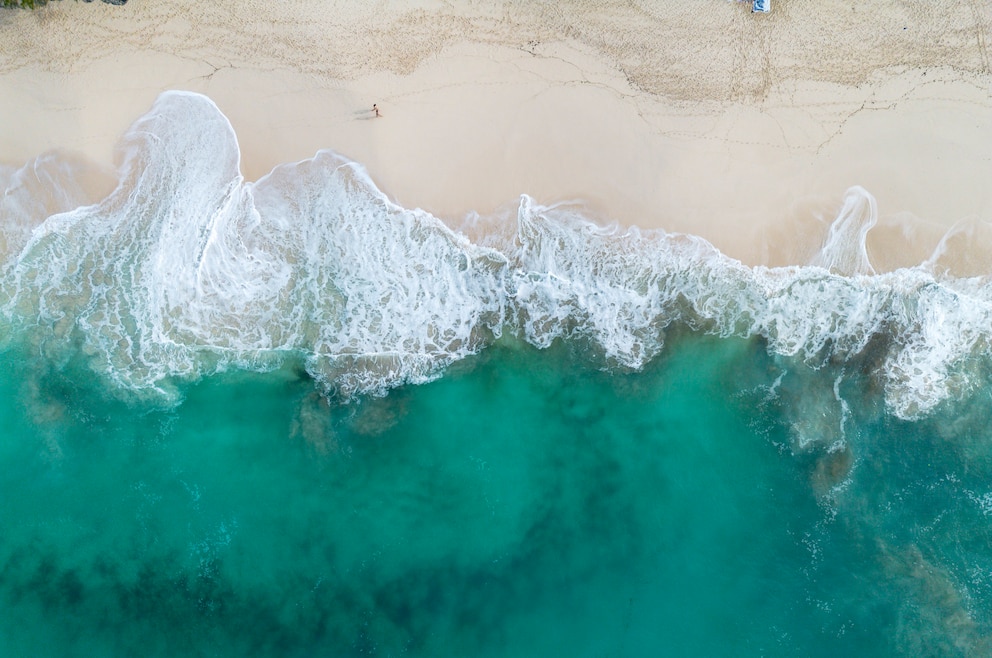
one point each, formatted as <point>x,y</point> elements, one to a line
<point>846,248</point>
<point>186,269</point>
<point>47,185</point>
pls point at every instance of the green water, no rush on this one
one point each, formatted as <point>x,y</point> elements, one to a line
<point>528,503</point>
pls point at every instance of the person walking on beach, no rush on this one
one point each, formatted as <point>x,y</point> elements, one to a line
<point>375,108</point>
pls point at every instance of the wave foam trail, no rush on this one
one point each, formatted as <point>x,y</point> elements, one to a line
<point>846,250</point>
<point>185,269</point>
<point>49,184</point>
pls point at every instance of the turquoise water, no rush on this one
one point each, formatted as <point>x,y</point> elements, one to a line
<point>524,504</point>
<point>290,418</point>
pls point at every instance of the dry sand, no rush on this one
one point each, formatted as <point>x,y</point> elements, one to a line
<point>696,117</point>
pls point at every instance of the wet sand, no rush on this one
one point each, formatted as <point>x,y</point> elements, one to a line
<point>742,128</point>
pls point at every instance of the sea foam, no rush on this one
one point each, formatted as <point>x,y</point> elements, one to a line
<point>186,269</point>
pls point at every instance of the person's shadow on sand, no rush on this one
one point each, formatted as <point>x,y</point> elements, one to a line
<point>365,115</point>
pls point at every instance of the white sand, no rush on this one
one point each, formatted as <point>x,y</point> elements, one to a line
<point>745,129</point>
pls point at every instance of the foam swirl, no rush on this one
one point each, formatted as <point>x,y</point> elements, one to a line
<point>186,269</point>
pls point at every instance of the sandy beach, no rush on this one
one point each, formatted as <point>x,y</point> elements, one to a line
<point>703,118</point>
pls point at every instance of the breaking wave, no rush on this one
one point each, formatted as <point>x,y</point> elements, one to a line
<point>186,269</point>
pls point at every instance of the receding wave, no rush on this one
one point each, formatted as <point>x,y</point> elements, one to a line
<point>186,269</point>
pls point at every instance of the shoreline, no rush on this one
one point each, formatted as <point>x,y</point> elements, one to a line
<point>470,124</point>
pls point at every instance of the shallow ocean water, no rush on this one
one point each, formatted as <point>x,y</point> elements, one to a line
<point>526,503</point>
<point>291,418</point>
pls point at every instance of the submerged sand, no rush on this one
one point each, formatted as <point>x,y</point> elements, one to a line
<point>700,117</point>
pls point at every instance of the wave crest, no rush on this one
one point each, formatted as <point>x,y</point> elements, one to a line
<point>185,269</point>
